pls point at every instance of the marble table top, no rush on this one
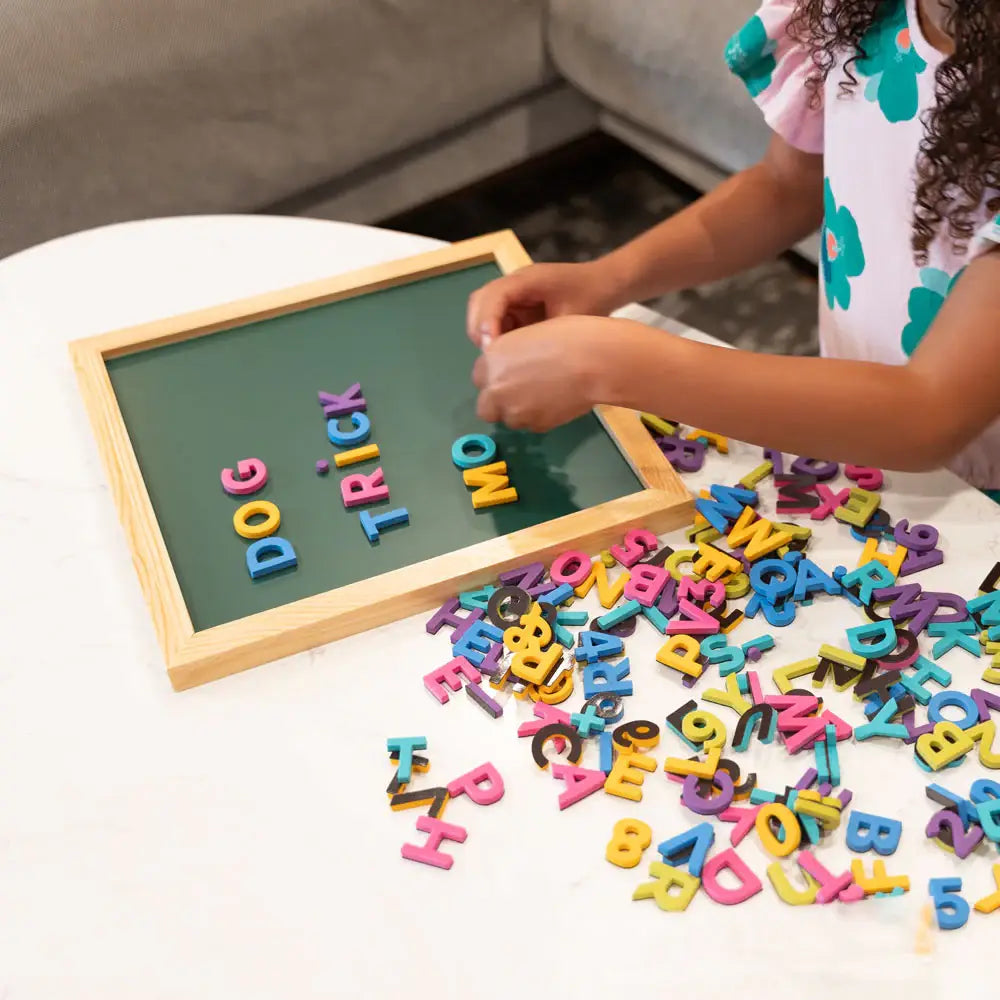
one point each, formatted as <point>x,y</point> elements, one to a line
<point>235,840</point>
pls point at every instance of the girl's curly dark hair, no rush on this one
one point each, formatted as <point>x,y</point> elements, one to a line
<point>959,157</point>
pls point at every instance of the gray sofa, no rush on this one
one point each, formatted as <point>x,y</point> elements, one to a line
<point>349,109</point>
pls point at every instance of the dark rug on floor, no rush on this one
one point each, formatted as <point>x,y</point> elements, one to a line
<point>596,194</point>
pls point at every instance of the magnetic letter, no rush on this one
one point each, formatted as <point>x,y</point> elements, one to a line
<point>428,854</point>
<point>268,555</point>
<point>253,475</point>
<point>449,674</point>
<point>359,488</point>
<point>347,439</point>
<point>483,785</point>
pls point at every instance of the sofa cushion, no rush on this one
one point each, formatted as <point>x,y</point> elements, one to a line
<point>660,64</point>
<point>112,110</point>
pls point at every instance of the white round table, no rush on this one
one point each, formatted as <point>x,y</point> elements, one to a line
<point>235,841</point>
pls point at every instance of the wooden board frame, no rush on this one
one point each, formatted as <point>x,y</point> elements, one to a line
<point>193,658</point>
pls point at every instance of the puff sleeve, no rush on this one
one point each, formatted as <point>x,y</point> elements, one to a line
<point>987,237</point>
<point>774,67</point>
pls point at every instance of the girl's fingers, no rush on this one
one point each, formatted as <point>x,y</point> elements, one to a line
<point>479,374</point>
<point>471,311</point>
<point>491,308</point>
<point>487,408</point>
<point>485,314</point>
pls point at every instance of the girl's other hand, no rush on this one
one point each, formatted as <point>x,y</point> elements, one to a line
<point>537,293</point>
<point>549,373</point>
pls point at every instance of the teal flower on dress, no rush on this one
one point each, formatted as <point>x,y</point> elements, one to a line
<point>750,55</point>
<point>843,257</point>
<point>991,231</point>
<point>892,65</point>
<point>925,303</point>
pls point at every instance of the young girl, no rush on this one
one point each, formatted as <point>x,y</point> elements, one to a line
<point>886,121</point>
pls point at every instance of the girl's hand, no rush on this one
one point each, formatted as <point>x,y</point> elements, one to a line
<point>537,293</point>
<point>547,374</point>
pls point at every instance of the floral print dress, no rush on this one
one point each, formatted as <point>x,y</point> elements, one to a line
<point>877,303</point>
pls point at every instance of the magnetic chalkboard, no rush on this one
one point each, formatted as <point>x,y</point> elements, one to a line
<point>192,406</point>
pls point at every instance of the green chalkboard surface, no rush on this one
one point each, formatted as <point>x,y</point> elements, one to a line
<point>195,407</point>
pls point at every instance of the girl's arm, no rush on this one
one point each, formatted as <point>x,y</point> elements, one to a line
<point>911,417</point>
<point>746,220</point>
